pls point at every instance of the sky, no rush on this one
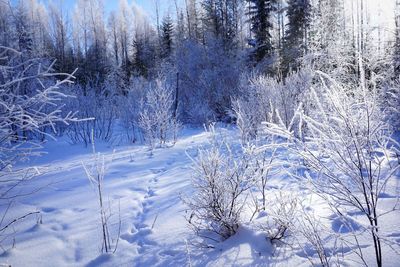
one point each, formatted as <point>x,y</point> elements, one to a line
<point>381,11</point>
<point>147,5</point>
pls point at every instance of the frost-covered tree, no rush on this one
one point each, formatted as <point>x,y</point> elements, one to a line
<point>396,50</point>
<point>24,32</point>
<point>157,118</point>
<point>59,33</point>
<point>221,18</point>
<point>23,117</point>
<point>125,34</point>
<point>221,179</point>
<point>330,47</point>
<point>349,150</point>
<point>192,19</point>
<point>5,24</point>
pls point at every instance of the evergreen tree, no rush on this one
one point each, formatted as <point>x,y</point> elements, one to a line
<point>260,12</point>
<point>167,31</point>
<point>295,40</point>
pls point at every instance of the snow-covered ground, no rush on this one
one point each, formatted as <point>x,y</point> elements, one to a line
<point>146,188</point>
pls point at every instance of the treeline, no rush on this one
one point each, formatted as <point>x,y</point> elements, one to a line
<point>215,46</point>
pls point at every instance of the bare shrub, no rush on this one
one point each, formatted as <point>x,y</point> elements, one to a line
<point>96,173</point>
<point>281,213</point>
<point>268,99</point>
<point>30,107</point>
<point>220,183</point>
<point>350,149</point>
<point>100,107</point>
<point>157,118</point>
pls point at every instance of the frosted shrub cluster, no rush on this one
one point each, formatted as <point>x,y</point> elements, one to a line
<point>157,117</point>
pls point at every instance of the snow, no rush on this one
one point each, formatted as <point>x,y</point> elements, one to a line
<point>146,188</point>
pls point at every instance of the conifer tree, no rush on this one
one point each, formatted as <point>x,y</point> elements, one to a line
<point>167,31</point>
<point>260,12</point>
<point>295,40</point>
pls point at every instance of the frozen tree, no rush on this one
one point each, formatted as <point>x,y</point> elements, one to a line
<point>350,150</point>
<point>113,36</point>
<point>221,19</point>
<point>59,33</point>
<point>90,34</point>
<point>23,115</point>
<point>220,180</point>
<point>396,51</point>
<point>125,33</point>
<point>5,24</point>
<point>156,118</point>
<point>192,19</point>
<point>331,48</point>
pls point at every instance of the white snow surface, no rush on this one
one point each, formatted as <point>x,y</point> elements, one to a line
<point>146,189</point>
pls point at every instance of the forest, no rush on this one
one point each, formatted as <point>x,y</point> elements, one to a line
<point>200,133</point>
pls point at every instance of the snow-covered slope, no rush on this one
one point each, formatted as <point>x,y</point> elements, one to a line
<point>144,191</point>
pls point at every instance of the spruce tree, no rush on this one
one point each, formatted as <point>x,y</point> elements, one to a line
<point>167,31</point>
<point>260,12</point>
<point>295,40</point>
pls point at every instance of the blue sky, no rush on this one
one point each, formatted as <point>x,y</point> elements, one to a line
<point>147,5</point>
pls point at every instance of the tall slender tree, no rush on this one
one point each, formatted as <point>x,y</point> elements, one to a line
<point>260,12</point>
<point>167,31</point>
<point>221,18</point>
<point>295,40</point>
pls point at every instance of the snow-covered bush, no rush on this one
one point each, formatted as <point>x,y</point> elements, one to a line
<point>293,90</point>
<point>157,118</point>
<point>265,164</point>
<point>281,214</point>
<point>255,105</point>
<point>220,181</point>
<point>392,96</point>
<point>348,148</point>
<point>209,77</point>
<point>247,120</point>
<point>30,106</point>
<point>130,106</point>
<point>267,99</point>
<point>95,172</point>
<point>27,113</point>
<point>100,107</point>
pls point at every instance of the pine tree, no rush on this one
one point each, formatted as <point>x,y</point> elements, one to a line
<point>295,40</point>
<point>167,31</point>
<point>260,12</point>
